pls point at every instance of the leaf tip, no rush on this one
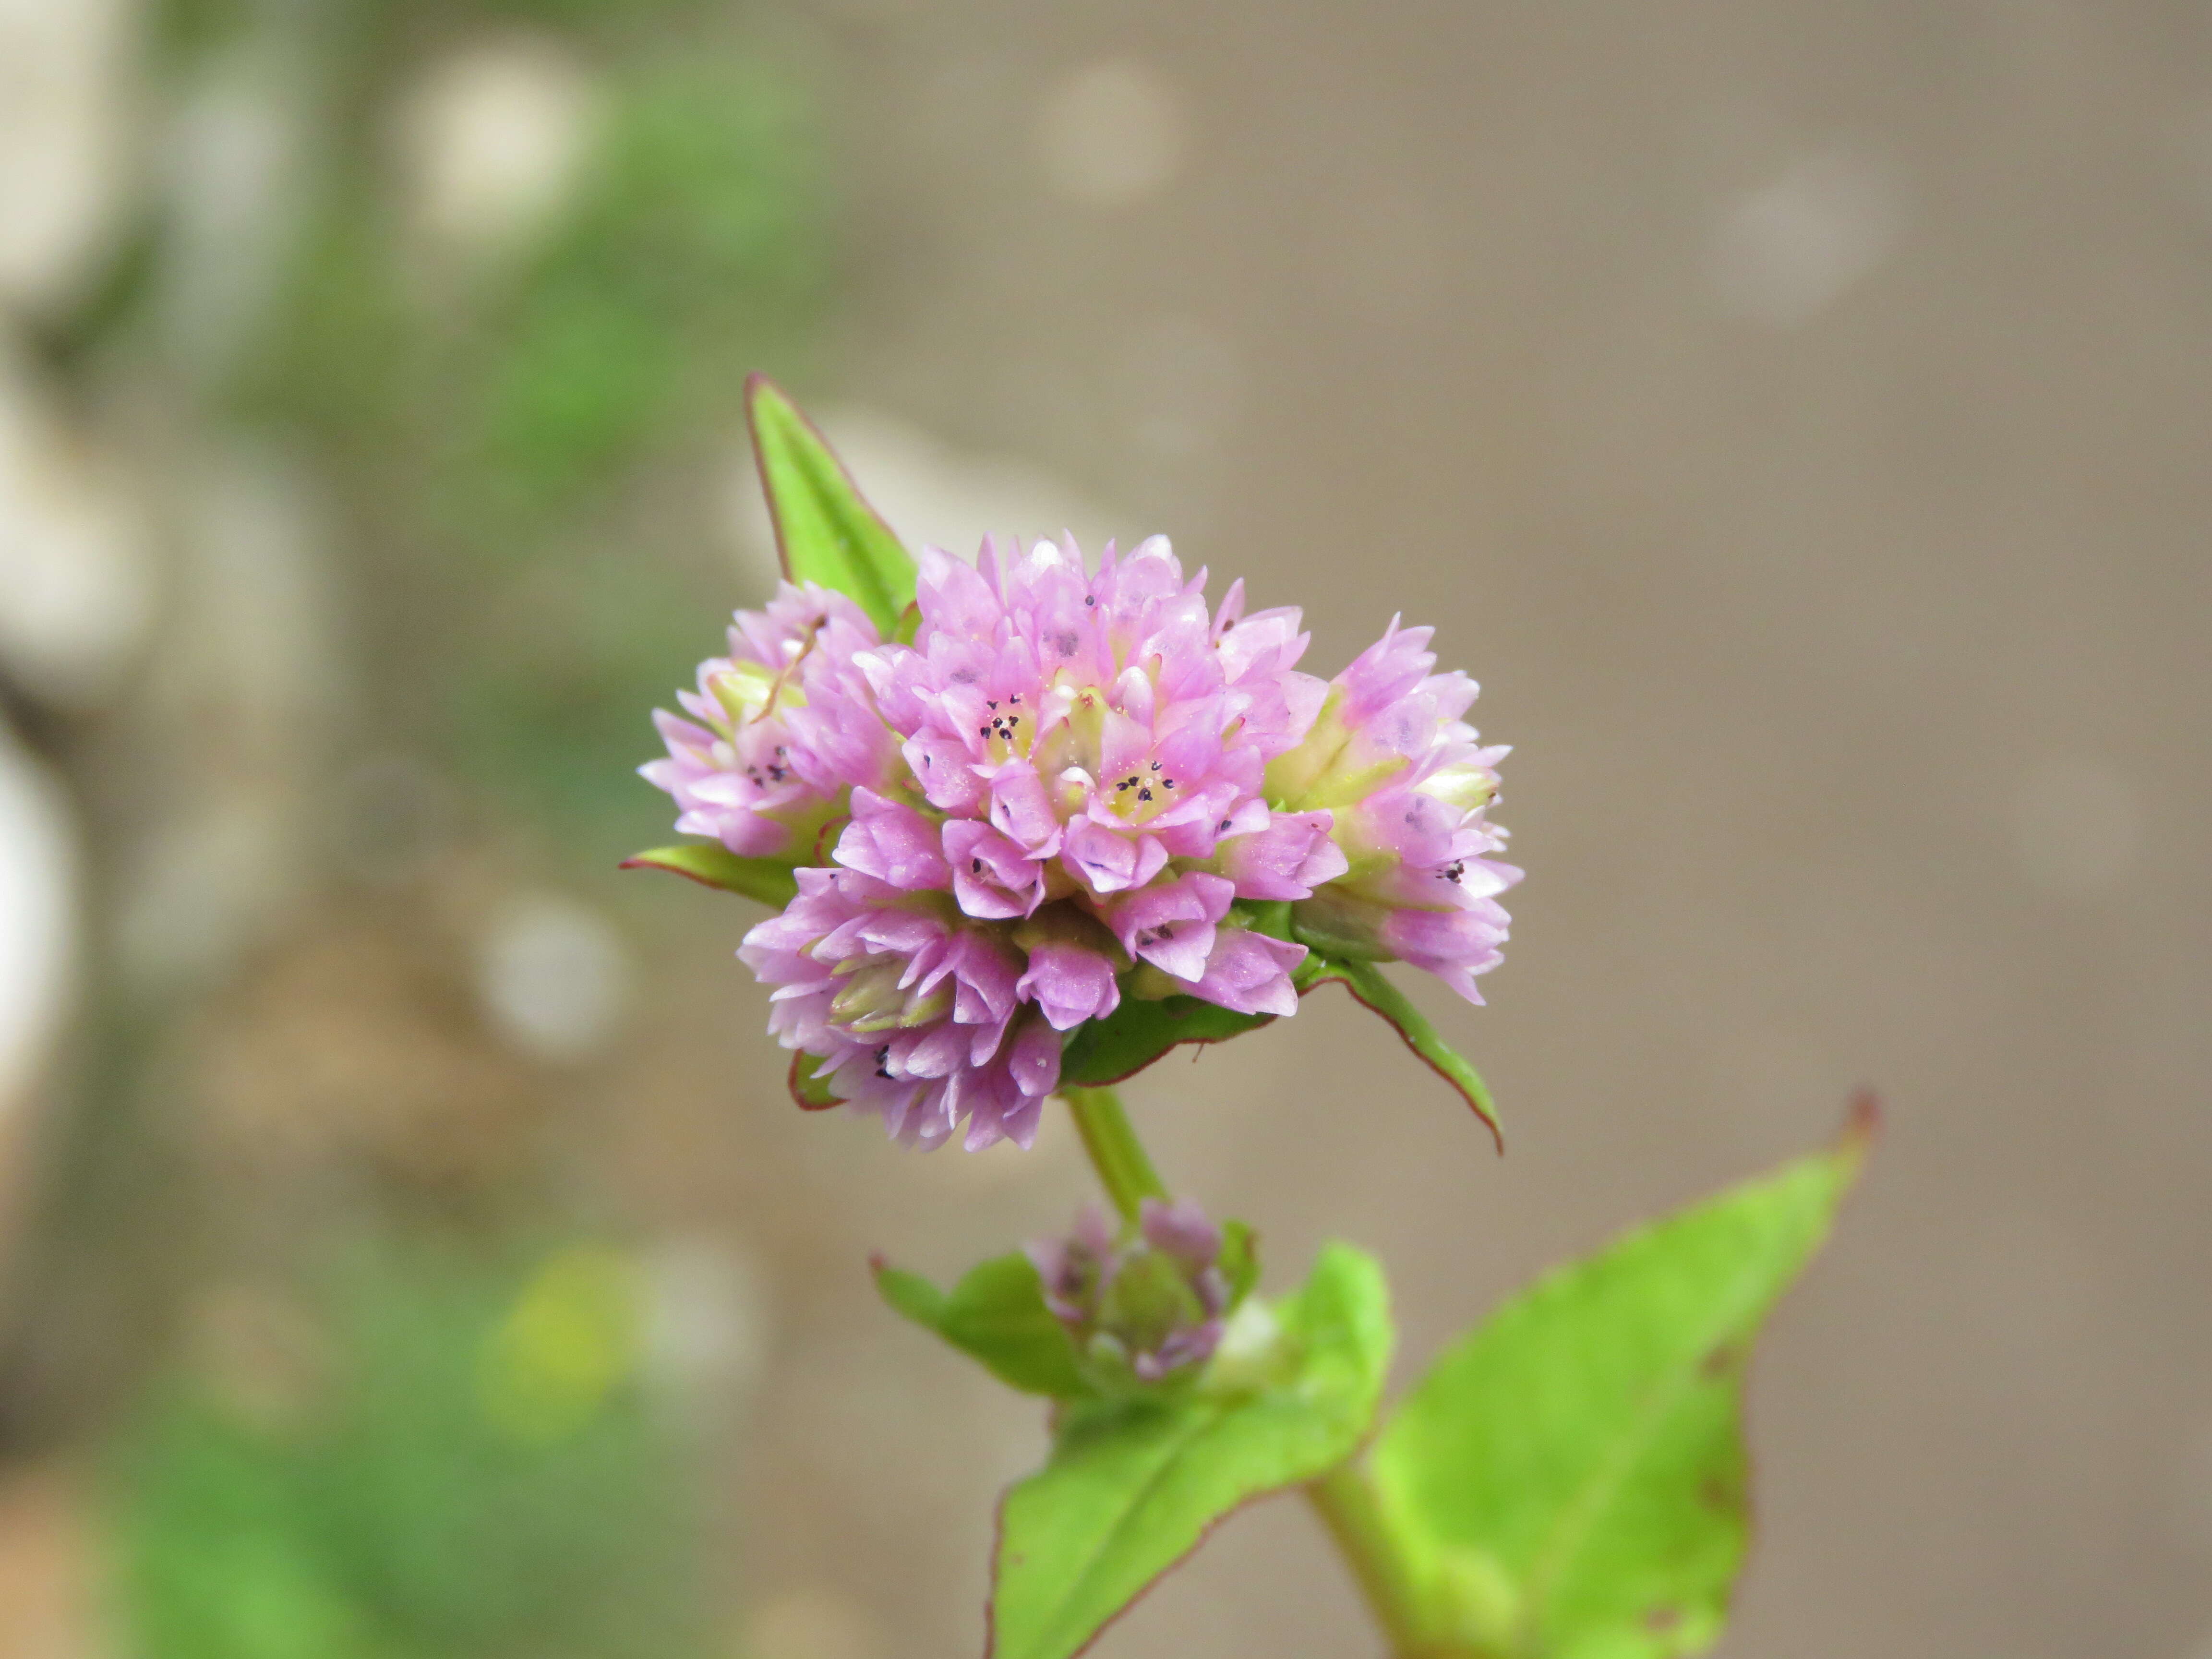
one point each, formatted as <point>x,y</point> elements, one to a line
<point>1863,1126</point>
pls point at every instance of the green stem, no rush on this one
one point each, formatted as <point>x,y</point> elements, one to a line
<point>1115,1152</point>
<point>1345,1499</point>
<point>1345,1496</point>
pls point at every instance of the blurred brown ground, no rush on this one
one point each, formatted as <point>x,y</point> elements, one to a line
<point>1796,416</point>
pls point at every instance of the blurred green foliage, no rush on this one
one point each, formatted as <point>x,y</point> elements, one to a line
<point>462,1465</point>
<point>531,449</point>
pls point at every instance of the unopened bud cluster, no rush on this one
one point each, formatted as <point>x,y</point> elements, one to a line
<point>1149,1304</point>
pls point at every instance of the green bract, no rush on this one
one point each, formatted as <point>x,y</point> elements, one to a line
<point>1568,1481</point>
<point>712,865</point>
<point>826,532</point>
<point>1367,983</point>
<point>995,1314</point>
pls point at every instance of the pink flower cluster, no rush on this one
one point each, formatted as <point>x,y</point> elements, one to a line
<point>1056,796</point>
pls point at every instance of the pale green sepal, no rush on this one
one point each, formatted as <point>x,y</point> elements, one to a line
<point>995,1314</point>
<point>1133,1487</point>
<point>1568,1481</point>
<point>712,864</point>
<point>824,530</point>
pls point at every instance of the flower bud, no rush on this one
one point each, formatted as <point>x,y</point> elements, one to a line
<point>1144,1307</point>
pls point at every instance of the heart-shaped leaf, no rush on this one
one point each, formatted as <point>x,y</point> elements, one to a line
<point>996,1314</point>
<point>826,531</point>
<point>1568,1481</point>
<point>1133,1487</point>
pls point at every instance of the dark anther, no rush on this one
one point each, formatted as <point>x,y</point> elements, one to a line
<point>1156,766</point>
<point>1087,599</point>
<point>976,867</point>
<point>988,703</point>
<point>982,731</point>
<point>1016,698</point>
<point>883,1055</point>
<point>1167,783</point>
<point>1144,794</point>
<point>1225,828</point>
<point>1012,720</point>
<point>1455,872</point>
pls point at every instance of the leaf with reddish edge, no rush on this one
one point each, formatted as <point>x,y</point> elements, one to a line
<point>996,1315</point>
<point>1134,1486</point>
<point>825,530</point>
<point>1569,1477</point>
<point>712,865</point>
<point>1365,981</point>
<point>809,1088</point>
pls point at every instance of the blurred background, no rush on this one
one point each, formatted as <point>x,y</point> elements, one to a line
<point>1796,414</point>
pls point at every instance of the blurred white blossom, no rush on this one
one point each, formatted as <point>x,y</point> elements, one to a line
<point>488,143</point>
<point>235,165</point>
<point>76,587</point>
<point>555,977</point>
<point>1788,250</point>
<point>1110,134</point>
<point>38,877</point>
<point>65,82</point>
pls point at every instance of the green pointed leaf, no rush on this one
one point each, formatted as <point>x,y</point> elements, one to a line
<point>1139,1032</point>
<point>996,1314</point>
<point>826,531</point>
<point>1568,1481</point>
<point>712,864</point>
<point>1365,981</point>
<point>1133,1487</point>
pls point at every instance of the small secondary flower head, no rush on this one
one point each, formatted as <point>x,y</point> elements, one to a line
<point>1071,788</point>
<point>1406,785</point>
<point>1154,1303</point>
